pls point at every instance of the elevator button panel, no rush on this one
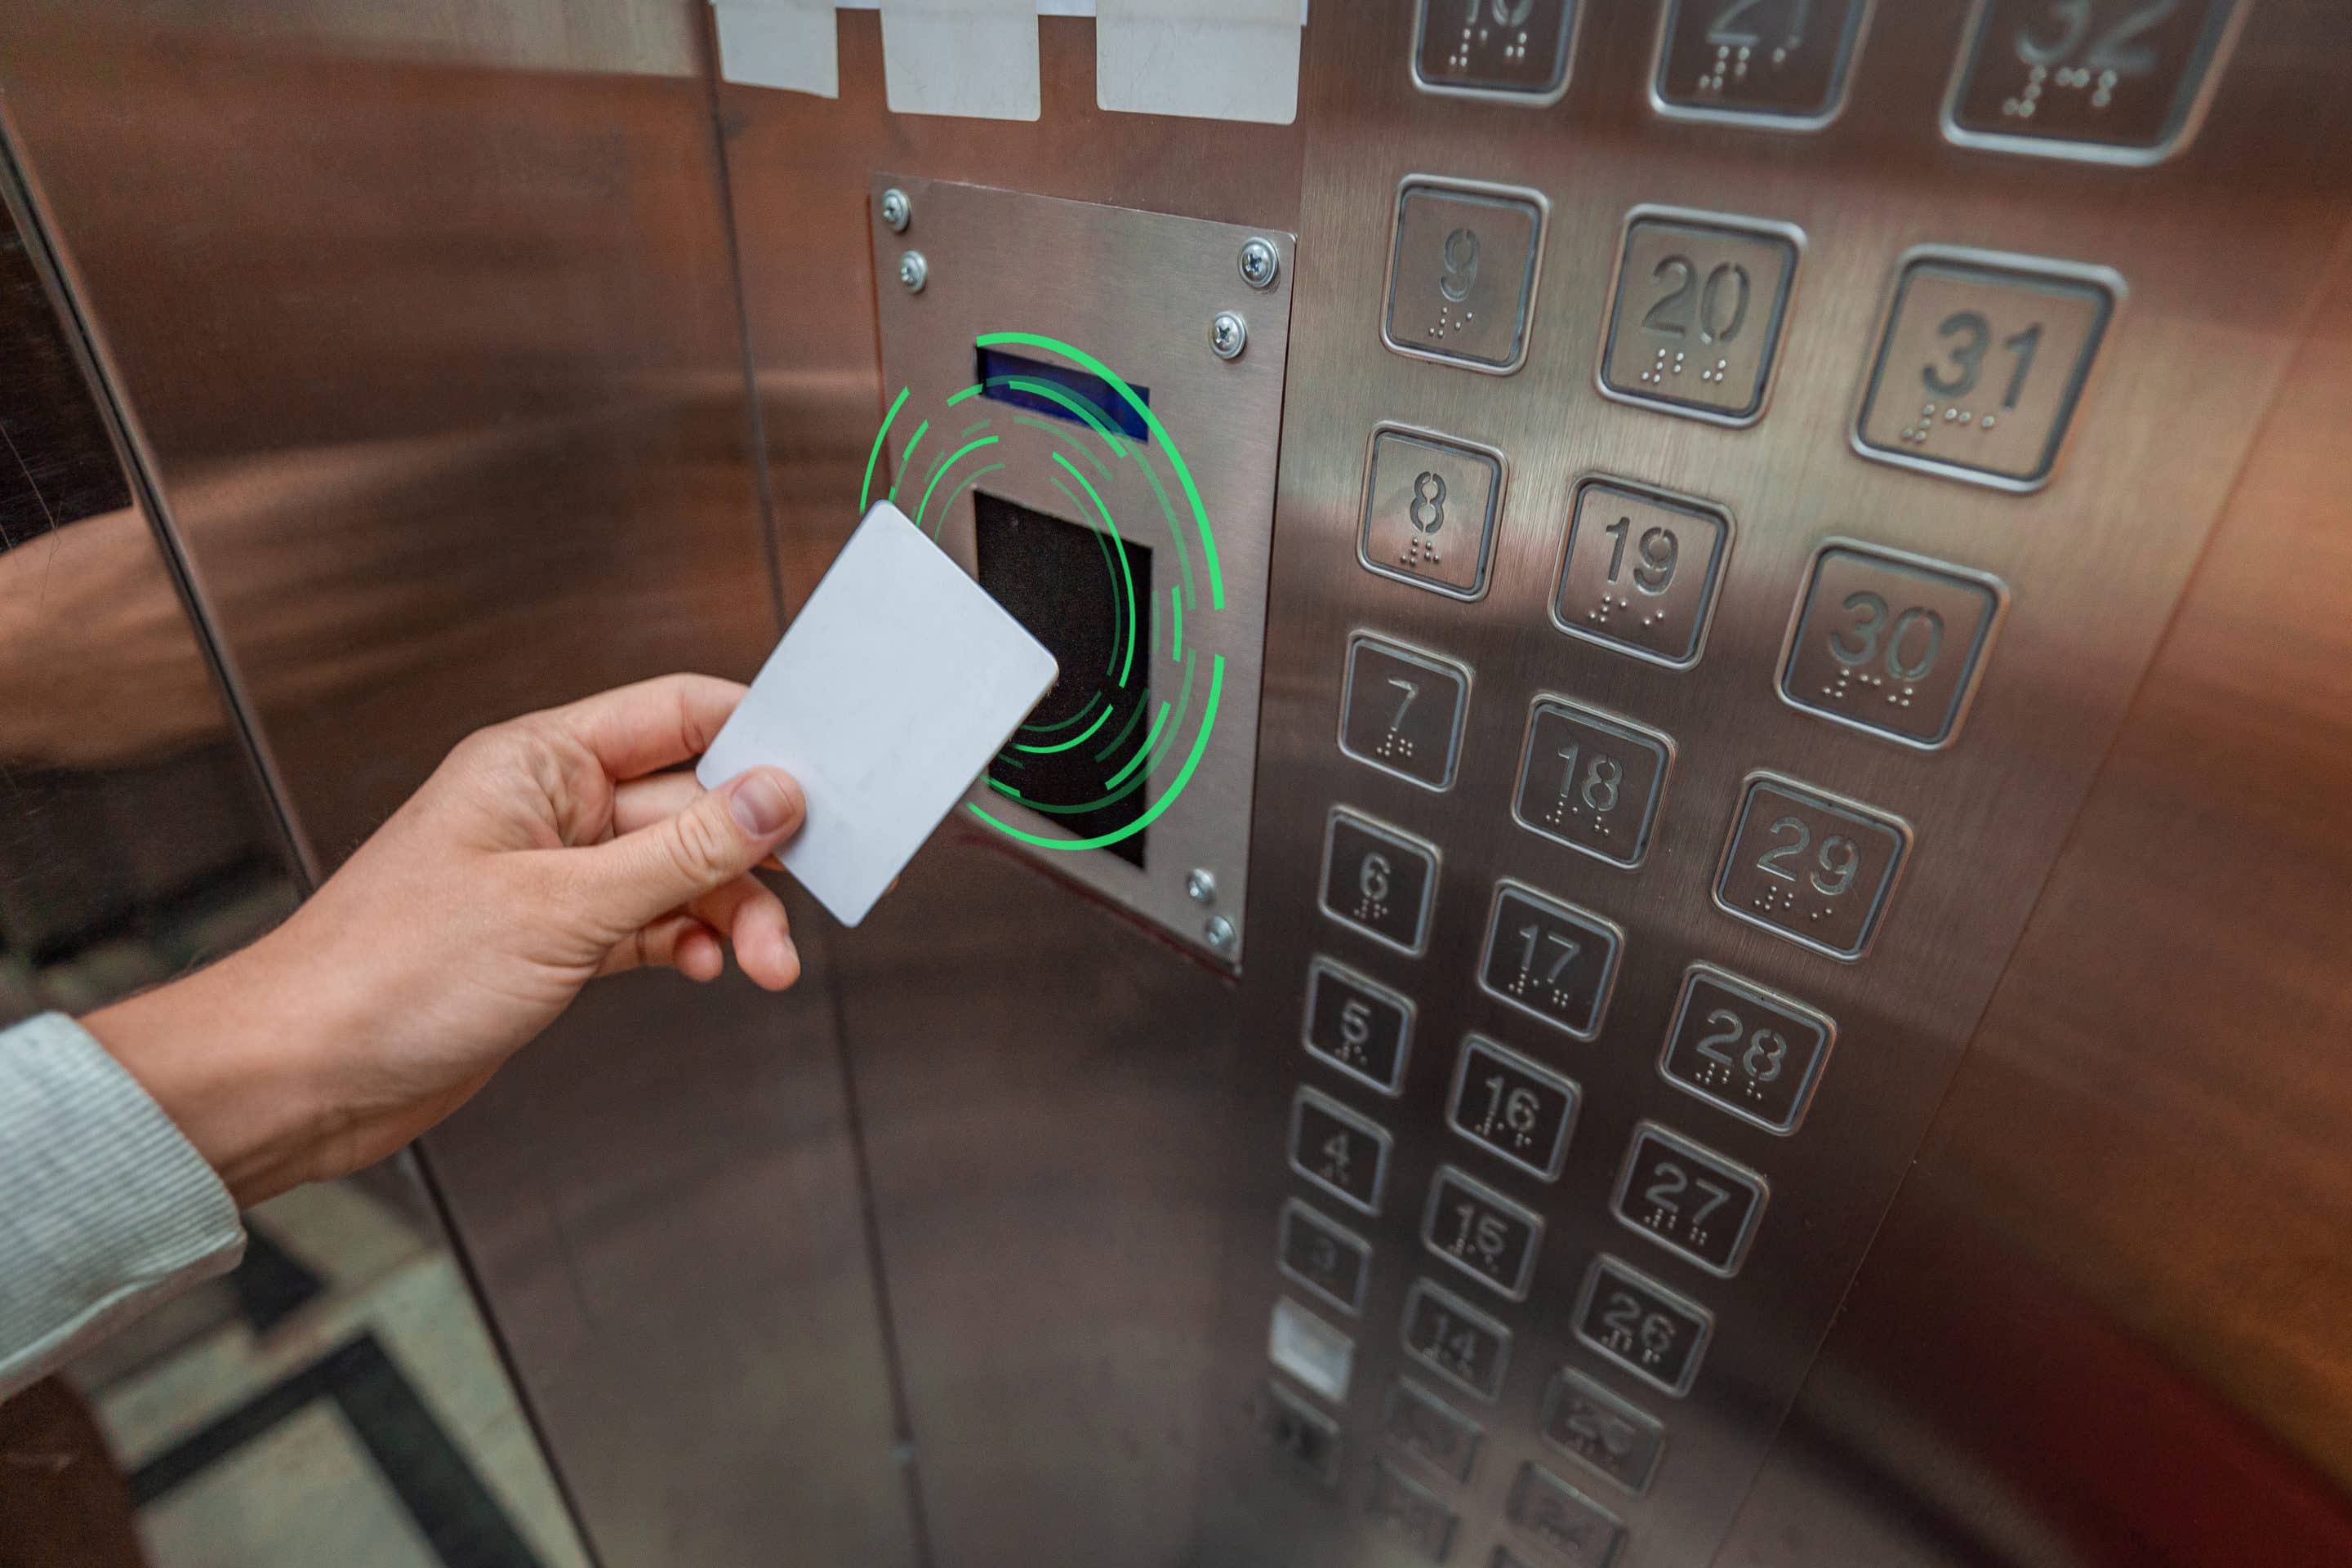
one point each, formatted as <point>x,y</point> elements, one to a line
<point>1696,325</point>
<point>1513,1106</point>
<point>1981,363</point>
<point>2109,81</point>
<point>1378,880</point>
<point>1358,1025</point>
<point>1815,867</point>
<point>1889,642</point>
<point>1690,1200</point>
<point>1462,274</point>
<point>1551,960</point>
<point>1481,1232</point>
<point>1515,51</point>
<point>1592,781</point>
<point>1409,1513</point>
<point>1330,1260</point>
<point>1455,1340</point>
<point>1746,1051</point>
<point>1430,505</point>
<point>1575,1530</point>
<point>1338,1150</point>
<point>1648,1329</point>
<point>1639,569</point>
<point>1402,711</point>
<point>1419,1423</point>
<point>1778,64</point>
<point>1606,1432</point>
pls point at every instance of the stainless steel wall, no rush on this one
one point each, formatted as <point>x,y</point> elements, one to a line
<point>427,320</point>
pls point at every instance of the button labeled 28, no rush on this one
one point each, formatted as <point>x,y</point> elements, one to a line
<point>1750,1051</point>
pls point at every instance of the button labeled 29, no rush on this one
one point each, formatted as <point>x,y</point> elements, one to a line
<point>1810,866</point>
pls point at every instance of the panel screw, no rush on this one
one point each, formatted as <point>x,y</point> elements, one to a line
<point>1218,933</point>
<point>1259,262</point>
<point>1201,885</point>
<point>897,210</point>
<point>1229,334</point>
<point>914,271</point>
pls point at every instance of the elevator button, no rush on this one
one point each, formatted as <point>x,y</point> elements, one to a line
<point>1311,1351</point>
<point>1410,1513</point>
<point>1512,49</point>
<point>1325,1256</point>
<point>1362,1028</point>
<point>1812,867</point>
<point>1462,273</point>
<point>1549,960</point>
<point>1639,571</point>
<point>1651,1332</point>
<point>1430,505</point>
<point>1591,781</point>
<point>1513,1107</point>
<point>2110,80</point>
<point>1338,1150</point>
<point>1889,642</point>
<point>1689,1200</point>
<point>1378,880</point>
<point>1400,711</point>
<point>1604,1432</point>
<point>1780,63</point>
<point>1980,365</point>
<point>1303,1436</point>
<point>1696,326</point>
<point>1579,1532</point>
<point>1747,1050</point>
<point>1419,1423</point>
<point>1455,1340</point>
<point>1481,1232</point>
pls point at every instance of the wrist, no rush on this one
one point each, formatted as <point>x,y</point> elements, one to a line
<point>225,1054</point>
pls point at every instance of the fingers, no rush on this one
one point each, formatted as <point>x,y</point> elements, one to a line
<point>634,730</point>
<point>752,918</point>
<point>630,881</point>
<point>678,941</point>
<point>641,802</point>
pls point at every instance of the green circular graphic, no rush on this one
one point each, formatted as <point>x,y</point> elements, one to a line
<point>1143,735</point>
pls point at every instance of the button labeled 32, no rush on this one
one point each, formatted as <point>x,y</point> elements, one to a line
<point>2110,80</point>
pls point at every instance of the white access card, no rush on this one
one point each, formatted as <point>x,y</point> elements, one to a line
<point>897,682</point>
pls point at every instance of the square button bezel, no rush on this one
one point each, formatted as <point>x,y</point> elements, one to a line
<point>1783,309</point>
<point>1980,655</point>
<point>1474,188</point>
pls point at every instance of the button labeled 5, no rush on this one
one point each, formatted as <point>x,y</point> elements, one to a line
<point>1362,1028</point>
<point>1747,1050</point>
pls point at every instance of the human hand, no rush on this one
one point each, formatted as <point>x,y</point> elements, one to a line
<point>541,853</point>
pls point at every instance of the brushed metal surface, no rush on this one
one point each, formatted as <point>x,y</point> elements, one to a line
<point>426,319</point>
<point>1043,1088</point>
<point>1137,290</point>
<point>2096,562</point>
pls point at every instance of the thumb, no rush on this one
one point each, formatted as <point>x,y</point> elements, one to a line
<point>633,878</point>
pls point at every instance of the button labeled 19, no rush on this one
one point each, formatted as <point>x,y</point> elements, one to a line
<point>1982,363</point>
<point>1462,276</point>
<point>1811,867</point>
<point>1639,571</point>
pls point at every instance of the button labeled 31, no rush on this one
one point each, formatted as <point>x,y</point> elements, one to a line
<point>1400,711</point>
<point>1781,64</point>
<point>1639,570</point>
<point>1813,867</point>
<point>1430,505</point>
<point>1462,273</point>
<point>1981,363</point>
<point>1696,326</point>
